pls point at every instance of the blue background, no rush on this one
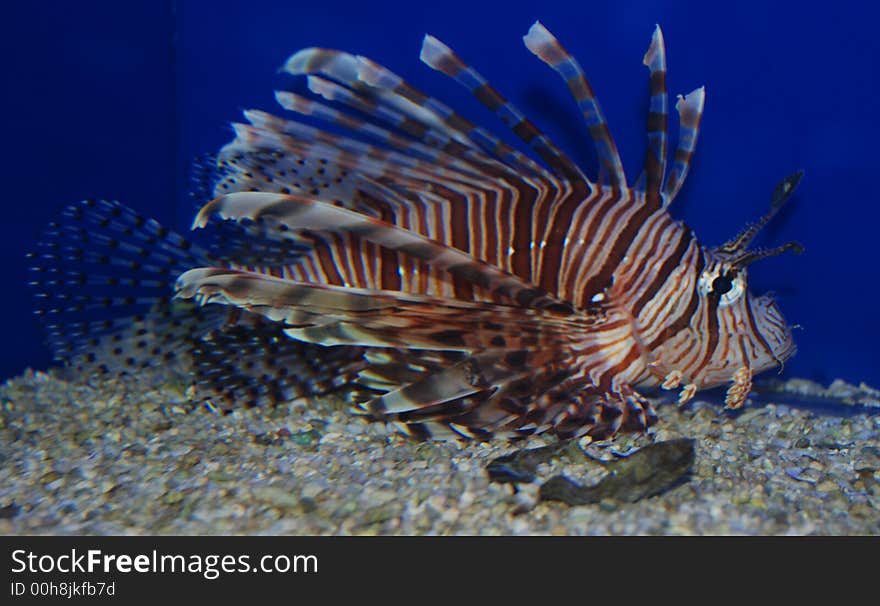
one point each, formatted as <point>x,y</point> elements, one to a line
<point>113,99</point>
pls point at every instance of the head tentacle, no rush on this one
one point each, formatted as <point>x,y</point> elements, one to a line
<point>748,257</point>
<point>781,193</point>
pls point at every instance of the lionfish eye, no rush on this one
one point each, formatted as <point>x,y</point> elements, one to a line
<point>722,284</point>
<point>725,285</point>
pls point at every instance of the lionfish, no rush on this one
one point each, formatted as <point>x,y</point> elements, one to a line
<point>450,283</point>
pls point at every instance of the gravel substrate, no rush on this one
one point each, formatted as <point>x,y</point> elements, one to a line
<point>124,458</point>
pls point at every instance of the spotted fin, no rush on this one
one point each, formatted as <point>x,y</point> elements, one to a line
<point>252,363</point>
<point>103,276</point>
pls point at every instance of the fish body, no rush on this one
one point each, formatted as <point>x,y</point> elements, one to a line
<point>454,284</point>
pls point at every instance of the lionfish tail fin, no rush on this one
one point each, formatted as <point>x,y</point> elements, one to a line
<point>204,174</point>
<point>546,47</point>
<point>655,156</point>
<point>102,277</point>
<point>690,112</point>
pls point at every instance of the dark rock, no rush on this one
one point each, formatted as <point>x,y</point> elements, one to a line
<point>520,466</point>
<point>645,473</point>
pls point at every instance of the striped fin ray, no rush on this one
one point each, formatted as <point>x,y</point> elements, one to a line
<point>331,91</point>
<point>308,107</point>
<point>291,213</point>
<point>382,78</point>
<point>485,393</point>
<point>434,163</point>
<point>655,156</point>
<point>288,145</point>
<point>455,368</point>
<point>267,125</point>
<point>394,149</point>
<point>333,160</point>
<point>314,162</point>
<point>441,58</point>
<point>599,415</point>
<point>382,85</point>
<point>333,315</point>
<point>690,112</point>
<point>349,70</point>
<point>387,369</point>
<point>480,396</point>
<point>292,141</point>
<point>506,394</point>
<point>266,158</point>
<point>436,202</point>
<point>546,47</point>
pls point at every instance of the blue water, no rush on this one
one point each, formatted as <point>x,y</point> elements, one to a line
<point>111,99</point>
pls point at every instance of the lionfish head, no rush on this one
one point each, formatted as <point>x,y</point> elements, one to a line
<point>751,332</point>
